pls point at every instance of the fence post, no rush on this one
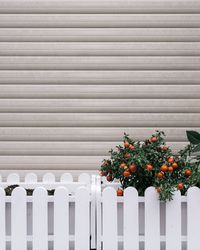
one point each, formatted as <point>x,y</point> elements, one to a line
<point>2,220</point>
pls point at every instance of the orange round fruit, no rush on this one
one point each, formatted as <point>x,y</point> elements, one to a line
<point>174,165</point>
<point>170,159</point>
<point>122,165</point>
<point>164,148</point>
<point>132,168</point>
<point>188,172</point>
<point>126,144</point>
<point>180,186</point>
<point>160,175</point>
<point>120,192</point>
<point>131,147</point>
<point>170,169</point>
<point>158,189</point>
<point>149,167</point>
<point>126,173</point>
<point>109,178</point>
<point>153,139</point>
<point>164,168</point>
<point>127,155</point>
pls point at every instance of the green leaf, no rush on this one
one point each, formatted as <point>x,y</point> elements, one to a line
<point>193,137</point>
<point>197,148</point>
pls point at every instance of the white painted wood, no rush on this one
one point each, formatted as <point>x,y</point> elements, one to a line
<point>85,178</point>
<point>82,219</point>
<point>31,178</point>
<point>100,105</point>
<point>18,219</point>
<point>93,215</point>
<point>173,223</point>
<point>100,20</point>
<point>99,120</point>
<point>67,7</point>
<point>153,77</point>
<point>100,35</point>
<point>40,224</point>
<point>2,220</point>
<point>152,220</point>
<point>98,213</point>
<point>48,178</point>
<point>193,218</point>
<point>88,134</point>
<point>99,48</point>
<point>61,219</point>
<point>66,177</point>
<point>109,219</point>
<point>131,219</point>
<point>13,178</point>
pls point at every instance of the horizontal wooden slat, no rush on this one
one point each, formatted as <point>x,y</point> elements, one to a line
<point>100,91</point>
<point>99,77</point>
<point>66,148</point>
<point>100,105</point>
<point>100,49</point>
<point>89,134</point>
<point>99,63</point>
<point>118,6</point>
<point>99,20</point>
<point>99,120</point>
<point>100,34</point>
<point>50,162</point>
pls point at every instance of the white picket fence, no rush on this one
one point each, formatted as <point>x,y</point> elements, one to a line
<point>144,223</point>
<point>63,221</point>
<point>87,215</point>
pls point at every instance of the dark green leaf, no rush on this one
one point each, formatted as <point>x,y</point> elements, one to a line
<point>193,137</point>
<point>197,148</point>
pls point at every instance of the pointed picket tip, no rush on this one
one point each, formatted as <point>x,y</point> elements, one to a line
<point>48,178</point>
<point>66,177</point>
<point>13,178</point>
<point>31,178</point>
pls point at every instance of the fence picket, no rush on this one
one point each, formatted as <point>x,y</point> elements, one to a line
<point>48,178</point>
<point>2,220</point>
<point>82,219</point>
<point>109,219</point>
<point>61,219</point>
<point>152,219</point>
<point>173,223</point>
<point>84,178</point>
<point>66,177</point>
<point>131,223</point>
<point>193,218</point>
<point>18,219</point>
<point>13,178</point>
<point>31,178</point>
<point>40,221</point>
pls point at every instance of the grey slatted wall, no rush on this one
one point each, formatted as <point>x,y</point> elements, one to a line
<point>74,75</point>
